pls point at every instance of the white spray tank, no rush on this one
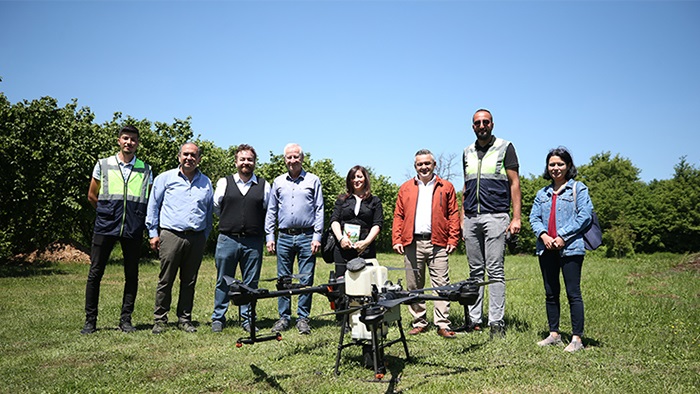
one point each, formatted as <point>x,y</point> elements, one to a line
<point>358,284</point>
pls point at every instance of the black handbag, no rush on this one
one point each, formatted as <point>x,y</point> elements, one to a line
<point>593,234</point>
<point>328,244</point>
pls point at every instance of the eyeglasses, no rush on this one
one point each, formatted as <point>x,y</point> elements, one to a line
<point>485,122</point>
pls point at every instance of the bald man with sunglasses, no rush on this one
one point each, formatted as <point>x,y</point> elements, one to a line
<point>491,184</point>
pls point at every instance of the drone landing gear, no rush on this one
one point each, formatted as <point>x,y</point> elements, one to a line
<point>253,337</point>
<point>372,352</point>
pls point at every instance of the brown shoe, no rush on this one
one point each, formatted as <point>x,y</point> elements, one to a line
<point>416,330</point>
<point>445,333</point>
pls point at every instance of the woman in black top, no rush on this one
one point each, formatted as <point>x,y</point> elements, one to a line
<point>356,207</point>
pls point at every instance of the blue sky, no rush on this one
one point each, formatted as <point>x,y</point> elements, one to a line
<point>371,82</point>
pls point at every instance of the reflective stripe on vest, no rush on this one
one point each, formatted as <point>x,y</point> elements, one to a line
<point>113,186</point>
<point>491,166</point>
<point>491,169</point>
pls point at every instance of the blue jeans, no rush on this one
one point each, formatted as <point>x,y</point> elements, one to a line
<point>289,246</point>
<point>551,262</point>
<point>230,251</point>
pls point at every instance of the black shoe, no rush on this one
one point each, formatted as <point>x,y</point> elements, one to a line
<point>469,327</point>
<point>217,326</point>
<point>280,325</point>
<point>126,327</point>
<point>303,326</point>
<point>89,328</point>
<point>498,330</point>
<point>187,327</point>
<point>158,328</point>
<point>246,328</point>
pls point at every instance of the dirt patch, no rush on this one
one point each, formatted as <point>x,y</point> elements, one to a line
<point>691,264</point>
<point>61,251</point>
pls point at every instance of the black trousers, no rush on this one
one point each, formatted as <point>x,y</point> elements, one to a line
<point>102,246</point>
<point>551,264</point>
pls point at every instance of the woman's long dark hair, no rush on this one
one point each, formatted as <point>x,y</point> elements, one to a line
<point>564,154</point>
<point>349,182</point>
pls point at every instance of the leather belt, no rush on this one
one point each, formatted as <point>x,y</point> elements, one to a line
<point>241,234</point>
<point>423,236</point>
<point>297,231</point>
<point>185,232</point>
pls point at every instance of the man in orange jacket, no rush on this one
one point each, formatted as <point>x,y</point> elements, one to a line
<point>426,230</point>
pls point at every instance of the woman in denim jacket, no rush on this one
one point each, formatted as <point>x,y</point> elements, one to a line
<point>560,244</point>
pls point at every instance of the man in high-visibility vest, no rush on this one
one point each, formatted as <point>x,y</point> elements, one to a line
<point>119,192</point>
<point>491,183</point>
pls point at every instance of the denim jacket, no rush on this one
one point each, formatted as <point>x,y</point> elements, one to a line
<point>572,218</point>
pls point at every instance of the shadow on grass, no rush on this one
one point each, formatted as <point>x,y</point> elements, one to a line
<point>515,323</point>
<point>444,370</point>
<point>512,322</point>
<point>262,376</point>
<point>46,268</point>
<point>28,270</point>
<point>566,337</point>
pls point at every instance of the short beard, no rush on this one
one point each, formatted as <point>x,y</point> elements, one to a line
<point>485,137</point>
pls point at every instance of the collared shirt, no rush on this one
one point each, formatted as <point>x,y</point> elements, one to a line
<point>295,203</point>
<point>125,167</point>
<point>424,207</point>
<point>176,203</point>
<point>510,161</point>
<point>221,185</point>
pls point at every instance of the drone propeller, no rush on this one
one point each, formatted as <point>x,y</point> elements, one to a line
<point>390,303</point>
<point>343,311</point>
<point>389,268</point>
<point>455,286</point>
<point>230,280</point>
<point>293,276</point>
<point>401,269</point>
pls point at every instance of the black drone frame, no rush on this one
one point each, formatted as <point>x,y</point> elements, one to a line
<point>242,294</point>
<point>371,312</point>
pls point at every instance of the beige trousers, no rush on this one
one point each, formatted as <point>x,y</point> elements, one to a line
<point>419,255</point>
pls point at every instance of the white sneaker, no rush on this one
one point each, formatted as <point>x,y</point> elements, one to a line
<point>574,346</point>
<point>549,341</point>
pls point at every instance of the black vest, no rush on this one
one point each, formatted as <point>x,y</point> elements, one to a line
<point>243,214</point>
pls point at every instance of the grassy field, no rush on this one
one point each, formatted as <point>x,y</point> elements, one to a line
<point>642,336</point>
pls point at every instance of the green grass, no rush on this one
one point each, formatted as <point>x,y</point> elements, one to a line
<point>642,335</point>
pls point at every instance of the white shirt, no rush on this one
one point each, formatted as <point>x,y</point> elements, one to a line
<point>424,207</point>
<point>222,184</point>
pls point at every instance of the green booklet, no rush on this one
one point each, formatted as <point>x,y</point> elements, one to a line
<point>352,231</point>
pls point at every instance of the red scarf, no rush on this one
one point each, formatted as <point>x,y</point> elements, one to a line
<point>552,223</point>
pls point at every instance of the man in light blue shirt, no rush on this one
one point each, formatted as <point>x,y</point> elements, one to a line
<point>179,220</point>
<point>296,206</point>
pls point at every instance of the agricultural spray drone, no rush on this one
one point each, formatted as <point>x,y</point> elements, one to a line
<point>373,305</point>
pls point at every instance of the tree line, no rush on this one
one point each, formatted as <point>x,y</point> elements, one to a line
<point>48,153</point>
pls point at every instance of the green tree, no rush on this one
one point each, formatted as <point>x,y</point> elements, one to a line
<point>617,193</point>
<point>48,153</point>
<point>528,188</point>
<point>274,168</point>
<point>676,210</point>
<point>387,193</point>
<point>216,162</point>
